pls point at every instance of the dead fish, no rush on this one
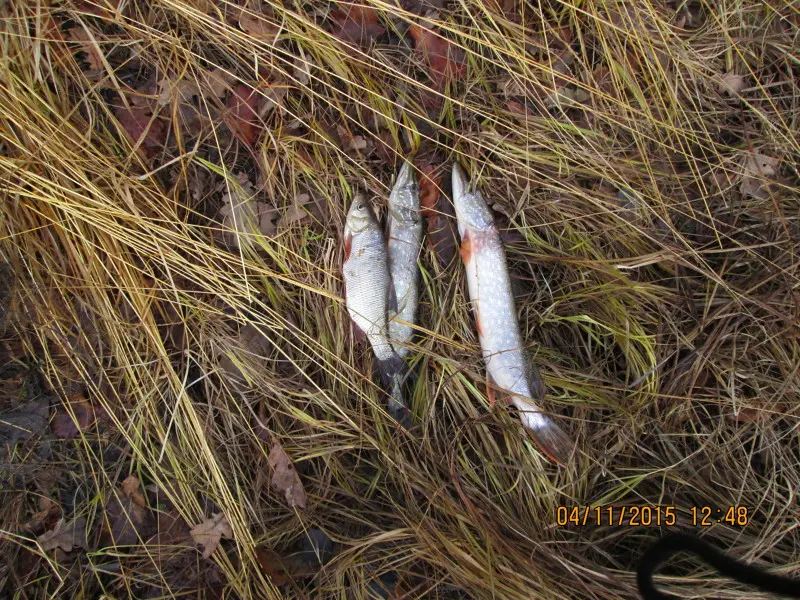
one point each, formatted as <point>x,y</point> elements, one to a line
<point>507,362</point>
<point>404,236</point>
<point>367,292</point>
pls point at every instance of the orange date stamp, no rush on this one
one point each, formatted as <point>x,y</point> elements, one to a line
<point>649,515</point>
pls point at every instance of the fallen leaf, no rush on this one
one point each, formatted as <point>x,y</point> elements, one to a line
<point>301,70</point>
<point>518,109</point>
<point>757,167</point>
<point>243,216</point>
<point>80,416</point>
<point>438,214</point>
<point>296,213</point>
<point>172,528</point>
<point>271,96</point>
<point>128,521</point>
<point>46,517</point>
<point>731,84</point>
<point>143,130</point>
<point>423,6</point>
<point>88,46</point>
<point>219,81</point>
<point>242,114</point>
<point>272,566</point>
<point>24,422</point>
<point>285,478</point>
<point>258,27</point>
<point>351,142</point>
<point>132,488</point>
<point>96,7</point>
<point>65,536</point>
<point>429,189</point>
<point>282,569</point>
<point>182,90</point>
<point>445,60</point>
<point>356,24</point>
<point>209,533</point>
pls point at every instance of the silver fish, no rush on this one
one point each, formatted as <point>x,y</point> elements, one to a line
<point>404,233</point>
<point>367,290</point>
<point>507,362</point>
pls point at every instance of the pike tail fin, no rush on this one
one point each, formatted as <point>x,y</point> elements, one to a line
<point>552,441</point>
<point>397,380</point>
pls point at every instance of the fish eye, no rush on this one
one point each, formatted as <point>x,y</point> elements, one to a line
<point>360,206</point>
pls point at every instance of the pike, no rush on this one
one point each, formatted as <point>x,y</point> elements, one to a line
<point>404,237</point>
<point>368,291</point>
<point>507,363</point>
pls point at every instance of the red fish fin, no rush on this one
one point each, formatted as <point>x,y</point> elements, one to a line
<point>466,247</point>
<point>553,442</point>
<point>490,391</point>
<point>477,314</point>
<point>348,245</point>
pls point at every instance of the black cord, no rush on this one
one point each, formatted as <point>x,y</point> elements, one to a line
<point>670,545</point>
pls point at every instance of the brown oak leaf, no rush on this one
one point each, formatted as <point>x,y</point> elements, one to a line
<point>285,478</point>
<point>86,414</point>
<point>242,114</point>
<point>444,59</point>
<point>142,129</point>
<point>209,533</point>
<point>258,27</point>
<point>356,24</point>
<point>65,536</point>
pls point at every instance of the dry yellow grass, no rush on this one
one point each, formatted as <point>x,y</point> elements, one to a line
<point>658,288</point>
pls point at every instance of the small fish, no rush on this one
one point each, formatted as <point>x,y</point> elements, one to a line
<point>404,233</point>
<point>507,362</point>
<point>368,288</point>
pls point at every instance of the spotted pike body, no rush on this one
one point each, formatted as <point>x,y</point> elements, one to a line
<point>404,237</point>
<point>507,362</point>
<point>367,290</point>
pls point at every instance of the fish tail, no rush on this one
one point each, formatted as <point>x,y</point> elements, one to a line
<point>552,441</point>
<point>396,380</point>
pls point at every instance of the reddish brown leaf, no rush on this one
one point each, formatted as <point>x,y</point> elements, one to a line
<point>518,109</point>
<point>242,116</point>
<point>272,565</point>
<point>257,26</point>
<point>142,129</point>
<point>285,478</point>
<point>281,570</point>
<point>356,24</point>
<point>85,415</point>
<point>429,186</point>
<point>444,59</point>
<point>172,528</point>
<point>127,519</point>
<point>439,216</point>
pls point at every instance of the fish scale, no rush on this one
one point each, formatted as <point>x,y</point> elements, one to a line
<point>489,285</point>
